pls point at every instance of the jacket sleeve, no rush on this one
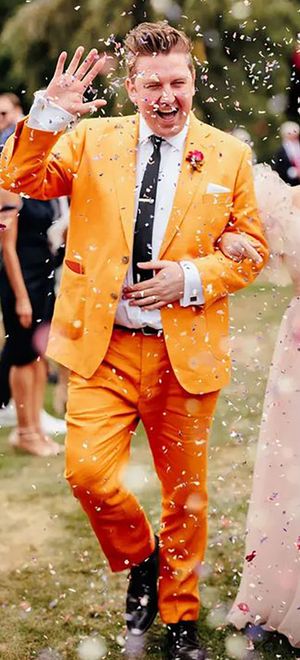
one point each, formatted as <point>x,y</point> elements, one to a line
<point>220,275</point>
<point>41,164</point>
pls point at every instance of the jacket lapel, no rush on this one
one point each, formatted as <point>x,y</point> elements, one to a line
<point>123,144</point>
<point>189,181</point>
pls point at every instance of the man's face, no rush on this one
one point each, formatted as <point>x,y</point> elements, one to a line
<point>163,90</point>
<point>7,113</point>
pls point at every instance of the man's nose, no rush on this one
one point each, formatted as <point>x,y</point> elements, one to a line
<point>168,95</point>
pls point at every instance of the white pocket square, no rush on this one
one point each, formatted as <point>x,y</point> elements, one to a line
<point>216,188</point>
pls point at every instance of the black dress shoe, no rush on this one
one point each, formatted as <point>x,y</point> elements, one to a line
<point>142,600</point>
<point>183,642</point>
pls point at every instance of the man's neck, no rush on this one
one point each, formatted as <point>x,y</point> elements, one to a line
<point>145,131</point>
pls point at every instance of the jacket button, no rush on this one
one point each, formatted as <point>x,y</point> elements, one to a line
<point>114,296</point>
<point>125,260</point>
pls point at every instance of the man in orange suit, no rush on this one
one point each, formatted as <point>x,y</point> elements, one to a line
<point>142,319</point>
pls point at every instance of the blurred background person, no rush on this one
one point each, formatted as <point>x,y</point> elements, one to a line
<point>287,159</point>
<point>242,134</point>
<point>10,204</point>
<point>10,113</point>
<point>17,255</point>
<point>293,109</point>
<point>27,300</point>
<point>8,415</point>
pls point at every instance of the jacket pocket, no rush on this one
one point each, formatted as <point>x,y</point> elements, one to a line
<point>69,313</point>
<point>75,266</point>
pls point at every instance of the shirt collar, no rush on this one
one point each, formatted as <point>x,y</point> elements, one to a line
<point>176,141</point>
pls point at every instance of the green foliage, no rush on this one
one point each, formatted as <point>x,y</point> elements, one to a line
<point>242,49</point>
<point>7,8</point>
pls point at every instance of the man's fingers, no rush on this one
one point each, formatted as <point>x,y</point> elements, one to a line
<point>146,286</point>
<point>86,64</point>
<point>75,60</point>
<point>142,289</point>
<point>92,106</point>
<point>157,305</point>
<point>95,70</point>
<point>143,302</point>
<point>153,265</point>
<point>60,65</point>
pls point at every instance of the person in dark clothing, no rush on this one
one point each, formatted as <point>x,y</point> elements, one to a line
<point>5,365</point>
<point>27,300</point>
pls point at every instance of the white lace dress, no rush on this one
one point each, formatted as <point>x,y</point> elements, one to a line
<point>269,592</point>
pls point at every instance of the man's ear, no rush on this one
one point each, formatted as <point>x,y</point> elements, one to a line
<point>131,91</point>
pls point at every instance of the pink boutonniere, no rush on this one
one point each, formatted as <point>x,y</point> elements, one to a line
<point>196,159</point>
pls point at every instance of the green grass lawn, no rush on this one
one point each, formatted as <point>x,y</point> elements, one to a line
<point>56,590</point>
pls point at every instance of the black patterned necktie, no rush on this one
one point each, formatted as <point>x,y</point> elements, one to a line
<point>142,242</point>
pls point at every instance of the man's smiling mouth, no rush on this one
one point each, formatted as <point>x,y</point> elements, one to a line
<point>167,114</point>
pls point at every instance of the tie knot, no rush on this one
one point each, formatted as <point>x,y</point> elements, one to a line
<point>156,141</point>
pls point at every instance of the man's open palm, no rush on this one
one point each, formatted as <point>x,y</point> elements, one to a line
<point>67,88</point>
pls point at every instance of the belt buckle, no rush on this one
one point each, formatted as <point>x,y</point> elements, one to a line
<point>146,333</point>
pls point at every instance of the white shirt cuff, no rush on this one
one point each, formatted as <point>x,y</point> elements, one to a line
<point>45,115</point>
<point>193,293</point>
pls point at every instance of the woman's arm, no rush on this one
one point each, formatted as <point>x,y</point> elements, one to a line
<point>9,204</point>
<point>238,247</point>
<point>13,269</point>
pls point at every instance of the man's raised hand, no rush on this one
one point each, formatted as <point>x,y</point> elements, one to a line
<point>67,87</point>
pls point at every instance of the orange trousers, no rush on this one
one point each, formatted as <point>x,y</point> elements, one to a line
<point>136,382</point>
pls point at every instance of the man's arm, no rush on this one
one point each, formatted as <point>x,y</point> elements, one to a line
<point>219,274</point>
<point>41,164</point>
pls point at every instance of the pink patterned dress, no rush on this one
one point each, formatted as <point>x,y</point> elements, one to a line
<point>269,592</point>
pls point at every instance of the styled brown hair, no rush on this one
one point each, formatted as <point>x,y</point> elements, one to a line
<point>153,38</point>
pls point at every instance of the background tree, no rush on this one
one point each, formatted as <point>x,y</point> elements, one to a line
<point>242,49</point>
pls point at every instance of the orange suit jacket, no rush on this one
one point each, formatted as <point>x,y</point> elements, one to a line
<point>95,165</point>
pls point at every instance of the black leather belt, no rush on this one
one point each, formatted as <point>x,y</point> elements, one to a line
<point>146,330</point>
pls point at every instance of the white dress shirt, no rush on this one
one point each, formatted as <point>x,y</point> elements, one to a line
<point>46,115</point>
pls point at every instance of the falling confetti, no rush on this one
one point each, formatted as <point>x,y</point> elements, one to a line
<point>237,647</point>
<point>251,556</point>
<point>91,648</point>
<point>216,618</point>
